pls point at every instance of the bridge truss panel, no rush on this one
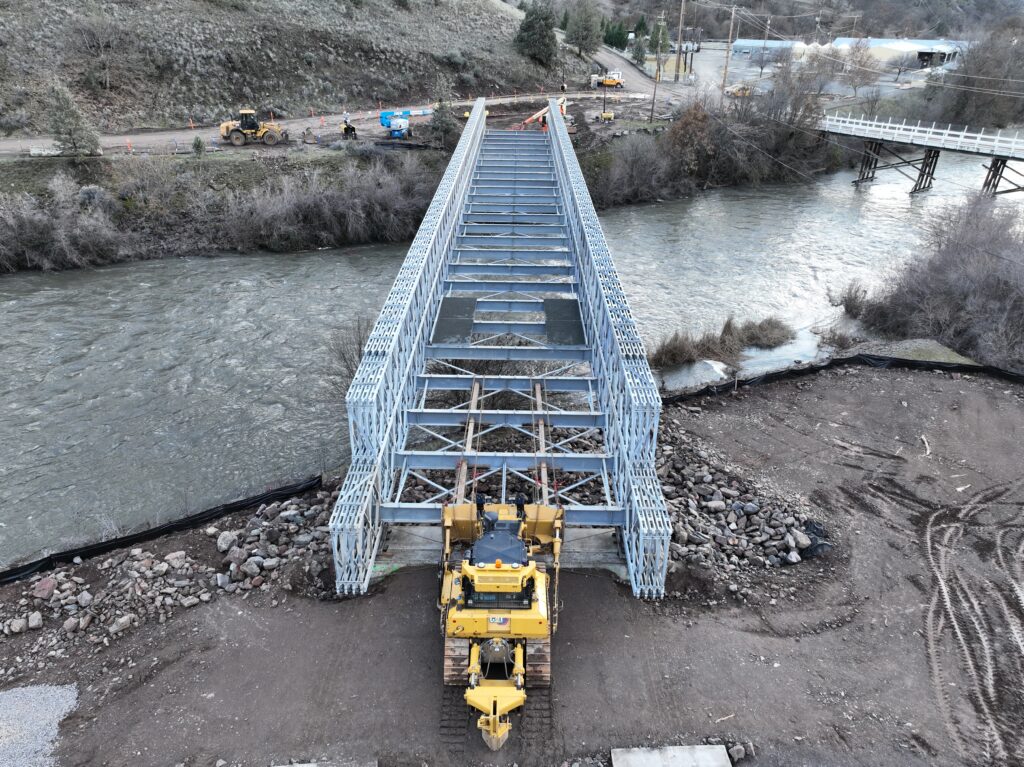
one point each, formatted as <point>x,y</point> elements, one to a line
<point>384,387</point>
<point>626,390</point>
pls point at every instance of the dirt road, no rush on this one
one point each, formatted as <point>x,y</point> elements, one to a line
<point>901,648</point>
<point>366,122</point>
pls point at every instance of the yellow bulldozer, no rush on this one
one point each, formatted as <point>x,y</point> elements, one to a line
<point>499,604</point>
<point>247,129</point>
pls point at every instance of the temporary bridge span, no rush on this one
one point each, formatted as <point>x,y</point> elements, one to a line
<point>505,361</point>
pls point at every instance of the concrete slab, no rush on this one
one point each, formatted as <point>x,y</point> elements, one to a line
<point>671,756</point>
<point>589,548</point>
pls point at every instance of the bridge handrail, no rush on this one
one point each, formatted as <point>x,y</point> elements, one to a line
<point>934,135</point>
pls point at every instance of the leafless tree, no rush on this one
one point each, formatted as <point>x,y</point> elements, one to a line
<point>98,38</point>
<point>860,67</point>
<point>905,63</point>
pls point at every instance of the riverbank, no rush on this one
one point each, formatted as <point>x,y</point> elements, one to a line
<point>99,211</point>
<point>741,665</point>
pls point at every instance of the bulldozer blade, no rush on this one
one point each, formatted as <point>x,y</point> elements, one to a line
<point>494,742</point>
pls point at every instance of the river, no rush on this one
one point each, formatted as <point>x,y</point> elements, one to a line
<point>138,393</point>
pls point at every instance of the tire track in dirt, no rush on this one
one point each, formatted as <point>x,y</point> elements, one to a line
<point>955,604</point>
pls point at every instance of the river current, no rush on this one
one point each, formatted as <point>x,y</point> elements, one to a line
<point>138,393</point>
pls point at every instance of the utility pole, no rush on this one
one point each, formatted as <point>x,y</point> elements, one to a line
<point>679,36</point>
<point>728,50</point>
<point>659,30</point>
<point>764,45</point>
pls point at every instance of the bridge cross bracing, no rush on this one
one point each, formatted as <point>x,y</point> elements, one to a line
<point>505,361</point>
<point>1002,147</point>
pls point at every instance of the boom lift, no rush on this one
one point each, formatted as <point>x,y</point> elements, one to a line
<point>499,605</point>
<point>397,122</point>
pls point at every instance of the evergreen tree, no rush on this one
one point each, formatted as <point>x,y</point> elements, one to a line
<point>442,123</point>
<point>565,20</point>
<point>536,36</point>
<point>639,50</point>
<point>70,130</point>
<point>584,29</point>
<point>640,28</point>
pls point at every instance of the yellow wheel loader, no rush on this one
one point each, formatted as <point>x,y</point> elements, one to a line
<point>247,129</point>
<point>499,604</point>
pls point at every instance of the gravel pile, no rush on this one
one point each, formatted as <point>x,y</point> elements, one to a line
<point>29,718</point>
<point>723,521</point>
<point>93,605</point>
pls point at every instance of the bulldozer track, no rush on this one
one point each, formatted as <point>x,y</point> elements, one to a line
<point>456,660</point>
<point>537,723</point>
<point>455,720</point>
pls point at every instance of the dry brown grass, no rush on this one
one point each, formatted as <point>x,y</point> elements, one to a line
<point>725,345</point>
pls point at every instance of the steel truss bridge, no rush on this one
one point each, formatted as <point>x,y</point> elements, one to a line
<point>505,361</point>
<point>1001,147</point>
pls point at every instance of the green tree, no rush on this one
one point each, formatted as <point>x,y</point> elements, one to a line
<point>565,20</point>
<point>70,130</point>
<point>198,146</point>
<point>584,29</point>
<point>640,28</point>
<point>616,36</point>
<point>442,123</point>
<point>639,50</point>
<point>536,36</point>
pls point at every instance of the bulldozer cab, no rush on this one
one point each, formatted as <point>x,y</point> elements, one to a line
<point>247,120</point>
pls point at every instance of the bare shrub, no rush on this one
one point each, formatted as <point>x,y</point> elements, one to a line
<point>852,298</point>
<point>383,203</point>
<point>725,345</point>
<point>69,230</point>
<point>344,352</point>
<point>968,293</point>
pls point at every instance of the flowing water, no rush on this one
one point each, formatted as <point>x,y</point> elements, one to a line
<point>135,394</point>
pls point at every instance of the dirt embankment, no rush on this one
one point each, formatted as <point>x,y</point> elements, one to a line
<point>900,646</point>
<point>159,64</point>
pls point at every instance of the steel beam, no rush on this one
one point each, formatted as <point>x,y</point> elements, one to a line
<point>574,462</point>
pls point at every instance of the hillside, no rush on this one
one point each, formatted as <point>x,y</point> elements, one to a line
<point>134,64</point>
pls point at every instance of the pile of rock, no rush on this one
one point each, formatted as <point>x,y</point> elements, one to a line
<point>722,520</point>
<point>278,535</point>
<point>136,586</point>
<point>140,586</point>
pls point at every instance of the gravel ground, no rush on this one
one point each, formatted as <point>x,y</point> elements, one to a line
<point>29,718</point>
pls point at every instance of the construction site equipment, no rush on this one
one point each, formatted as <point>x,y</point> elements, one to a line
<point>607,80</point>
<point>606,117</point>
<point>499,605</point>
<point>740,90</point>
<point>248,129</point>
<point>542,114</point>
<point>397,122</point>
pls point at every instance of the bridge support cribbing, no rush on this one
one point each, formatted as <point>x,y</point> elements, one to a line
<point>505,361</point>
<point>925,165</point>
